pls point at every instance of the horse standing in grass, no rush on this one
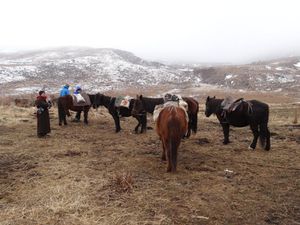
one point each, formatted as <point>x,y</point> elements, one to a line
<point>65,103</point>
<point>253,113</point>
<point>171,126</point>
<point>143,105</point>
<point>117,112</point>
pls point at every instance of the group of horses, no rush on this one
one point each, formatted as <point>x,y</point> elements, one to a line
<point>171,124</point>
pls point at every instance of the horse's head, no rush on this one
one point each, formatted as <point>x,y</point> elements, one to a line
<point>138,107</point>
<point>209,106</point>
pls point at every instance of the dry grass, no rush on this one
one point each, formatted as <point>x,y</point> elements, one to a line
<point>90,175</point>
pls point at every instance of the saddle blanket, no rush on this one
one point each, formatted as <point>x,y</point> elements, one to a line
<point>182,104</point>
<point>123,101</point>
<point>81,99</point>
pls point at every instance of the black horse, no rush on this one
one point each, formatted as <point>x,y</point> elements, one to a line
<point>145,105</point>
<point>117,112</point>
<point>253,113</point>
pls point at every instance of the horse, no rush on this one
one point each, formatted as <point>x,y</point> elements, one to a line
<point>253,113</point>
<point>117,112</point>
<point>171,126</point>
<point>65,103</point>
<point>143,105</point>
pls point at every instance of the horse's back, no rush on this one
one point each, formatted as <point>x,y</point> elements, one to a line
<point>259,108</point>
<point>193,104</point>
<point>172,118</point>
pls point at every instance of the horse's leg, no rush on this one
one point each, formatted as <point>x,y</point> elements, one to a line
<point>188,134</point>
<point>59,116</point>
<point>136,129</point>
<point>195,122</point>
<point>85,114</point>
<point>264,136</point>
<point>77,117</point>
<point>168,153</point>
<point>143,120</point>
<point>225,127</point>
<point>65,119</point>
<point>163,155</point>
<point>117,121</point>
<point>254,128</point>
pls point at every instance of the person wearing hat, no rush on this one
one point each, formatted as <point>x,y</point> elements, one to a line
<point>77,89</point>
<point>64,91</point>
<point>43,119</point>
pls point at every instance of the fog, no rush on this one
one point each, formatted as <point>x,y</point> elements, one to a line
<point>169,30</point>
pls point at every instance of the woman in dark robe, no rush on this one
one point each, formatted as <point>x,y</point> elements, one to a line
<point>43,119</point>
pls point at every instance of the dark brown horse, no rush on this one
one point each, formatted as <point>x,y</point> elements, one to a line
<point>253,113</point>
<point>117,112</point>
<point>143,105</point>
<point>171,126</point>
<point>65,103</point>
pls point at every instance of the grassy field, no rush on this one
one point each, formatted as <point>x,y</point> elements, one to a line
<point>91,175</point>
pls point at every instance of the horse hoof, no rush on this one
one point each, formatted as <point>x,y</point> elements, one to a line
<point>59,124</point>
<point>250,148</point>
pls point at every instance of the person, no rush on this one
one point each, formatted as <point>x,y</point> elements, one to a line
<point>64,91</point>
<point>77,89</point>
<point>43,119</point>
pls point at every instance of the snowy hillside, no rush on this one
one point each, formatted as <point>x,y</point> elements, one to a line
<point>95,69</point>
<point>276,75</point>
<point>113,69</point>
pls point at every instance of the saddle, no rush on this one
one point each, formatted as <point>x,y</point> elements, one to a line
<point>169,97</point>
<point>229,104</point>
<point>81,99</point>
<point>123,101</point>
<point>171,100</point>
<point>175,100</point>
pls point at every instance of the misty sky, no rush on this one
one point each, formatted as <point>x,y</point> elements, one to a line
<point>170,30</point>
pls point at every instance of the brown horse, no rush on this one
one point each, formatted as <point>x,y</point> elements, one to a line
<point>65,103</point>
<point>143,105</point>
<point>171,126</point>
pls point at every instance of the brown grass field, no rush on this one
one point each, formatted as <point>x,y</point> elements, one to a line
<point>90,175</point>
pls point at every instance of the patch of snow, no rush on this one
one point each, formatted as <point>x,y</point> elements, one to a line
<point>270,78</point>
<point>268,67</point>
<point>285,79</point>
<point>278,90</point>
<point>297,64</point>
<point>230,76</point>
<point>28,89</point>
<point>279,68</point>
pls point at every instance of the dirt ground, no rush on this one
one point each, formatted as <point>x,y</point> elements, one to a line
<point>91,175</point>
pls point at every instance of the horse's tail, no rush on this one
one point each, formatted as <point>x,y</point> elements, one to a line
<point>174,142</point>
<point>264,133</point>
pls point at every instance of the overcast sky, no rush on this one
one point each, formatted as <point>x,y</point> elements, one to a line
<point>183,30</point>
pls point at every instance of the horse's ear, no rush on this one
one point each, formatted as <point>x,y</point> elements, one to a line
<point>141,97</point>
<point>207,99</point>
<point>214,97</point>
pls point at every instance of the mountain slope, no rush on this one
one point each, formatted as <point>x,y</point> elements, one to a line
<point>112,69</point>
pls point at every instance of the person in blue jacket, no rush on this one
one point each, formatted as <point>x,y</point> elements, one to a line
<point>65,90</point>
